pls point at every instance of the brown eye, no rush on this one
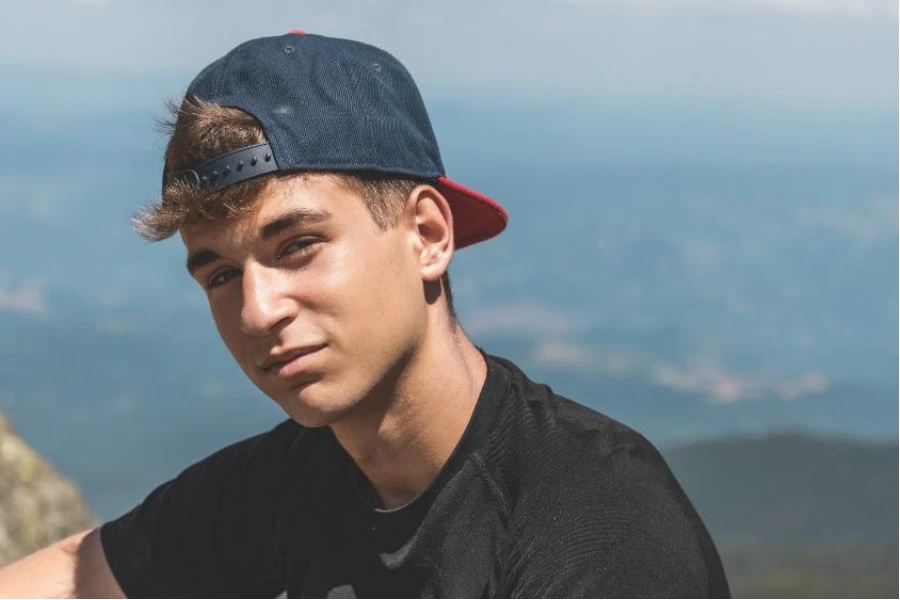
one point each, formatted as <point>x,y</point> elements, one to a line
<point>221,278</point>
<point>297,246</point>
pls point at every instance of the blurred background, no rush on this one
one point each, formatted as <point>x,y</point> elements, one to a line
<point>703,244</point>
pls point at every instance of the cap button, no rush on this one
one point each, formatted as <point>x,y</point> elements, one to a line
<point>296,32</point>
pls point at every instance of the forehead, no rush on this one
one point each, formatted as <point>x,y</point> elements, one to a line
<point>305,199</point>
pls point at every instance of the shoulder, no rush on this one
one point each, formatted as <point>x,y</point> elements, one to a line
<point>220,524</point>
<point>251,473</point>
<point>546,434</point>
<point>264,466</point>
<point>592,497</point>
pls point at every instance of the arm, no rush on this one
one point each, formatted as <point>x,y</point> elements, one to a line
<point>74,567</point>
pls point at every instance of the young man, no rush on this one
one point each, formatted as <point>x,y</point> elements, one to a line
<point>305,181</point>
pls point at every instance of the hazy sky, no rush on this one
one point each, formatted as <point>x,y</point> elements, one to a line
<point>529,86</point>
<point>802,54</point>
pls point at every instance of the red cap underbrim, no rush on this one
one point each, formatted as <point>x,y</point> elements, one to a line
<point>475,217</point>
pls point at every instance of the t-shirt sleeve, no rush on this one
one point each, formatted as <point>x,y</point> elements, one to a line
<point>617,529</point>
<point>209,532</point>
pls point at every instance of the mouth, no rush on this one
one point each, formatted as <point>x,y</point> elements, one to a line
<point>293,362</point>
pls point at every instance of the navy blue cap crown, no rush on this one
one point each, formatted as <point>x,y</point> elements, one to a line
<point>331,104</point>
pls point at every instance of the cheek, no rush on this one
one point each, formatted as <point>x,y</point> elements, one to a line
<point>226,317</point>
<point>372,291</point>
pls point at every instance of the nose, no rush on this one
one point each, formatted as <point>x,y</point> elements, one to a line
<point>266,301</point>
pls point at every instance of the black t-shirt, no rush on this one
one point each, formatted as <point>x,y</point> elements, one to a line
<point>541,497</point>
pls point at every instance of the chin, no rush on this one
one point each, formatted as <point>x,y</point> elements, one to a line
<point>314,405</point>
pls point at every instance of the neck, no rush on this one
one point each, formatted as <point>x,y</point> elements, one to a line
<point>402,448</point>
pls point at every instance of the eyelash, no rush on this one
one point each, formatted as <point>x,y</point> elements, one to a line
<point>307,244</point>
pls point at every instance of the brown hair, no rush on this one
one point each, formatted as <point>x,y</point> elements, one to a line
<point>200,130</point>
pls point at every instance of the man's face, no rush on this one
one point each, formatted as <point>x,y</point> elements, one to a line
<point>308,271</point>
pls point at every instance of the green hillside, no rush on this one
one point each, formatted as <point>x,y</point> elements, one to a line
<point>798,516</point>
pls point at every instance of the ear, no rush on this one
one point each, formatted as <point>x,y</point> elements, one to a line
<point>430,212</point>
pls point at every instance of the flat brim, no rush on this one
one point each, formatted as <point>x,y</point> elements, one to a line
<point>476,217</point>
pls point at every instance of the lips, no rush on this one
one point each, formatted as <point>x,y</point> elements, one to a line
<point>279,362</point>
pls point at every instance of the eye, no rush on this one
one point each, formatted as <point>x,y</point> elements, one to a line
<point>221,278</point>
<point>297,246</point>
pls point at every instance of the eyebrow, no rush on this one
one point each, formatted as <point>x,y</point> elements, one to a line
<point>298,216</point>
<point>293,218</point>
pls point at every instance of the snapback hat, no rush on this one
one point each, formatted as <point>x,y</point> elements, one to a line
<point>330,104</point>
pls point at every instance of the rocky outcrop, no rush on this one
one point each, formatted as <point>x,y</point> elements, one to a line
<point>37,505</point>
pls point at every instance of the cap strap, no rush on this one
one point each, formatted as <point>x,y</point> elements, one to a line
<point>229,168</point>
